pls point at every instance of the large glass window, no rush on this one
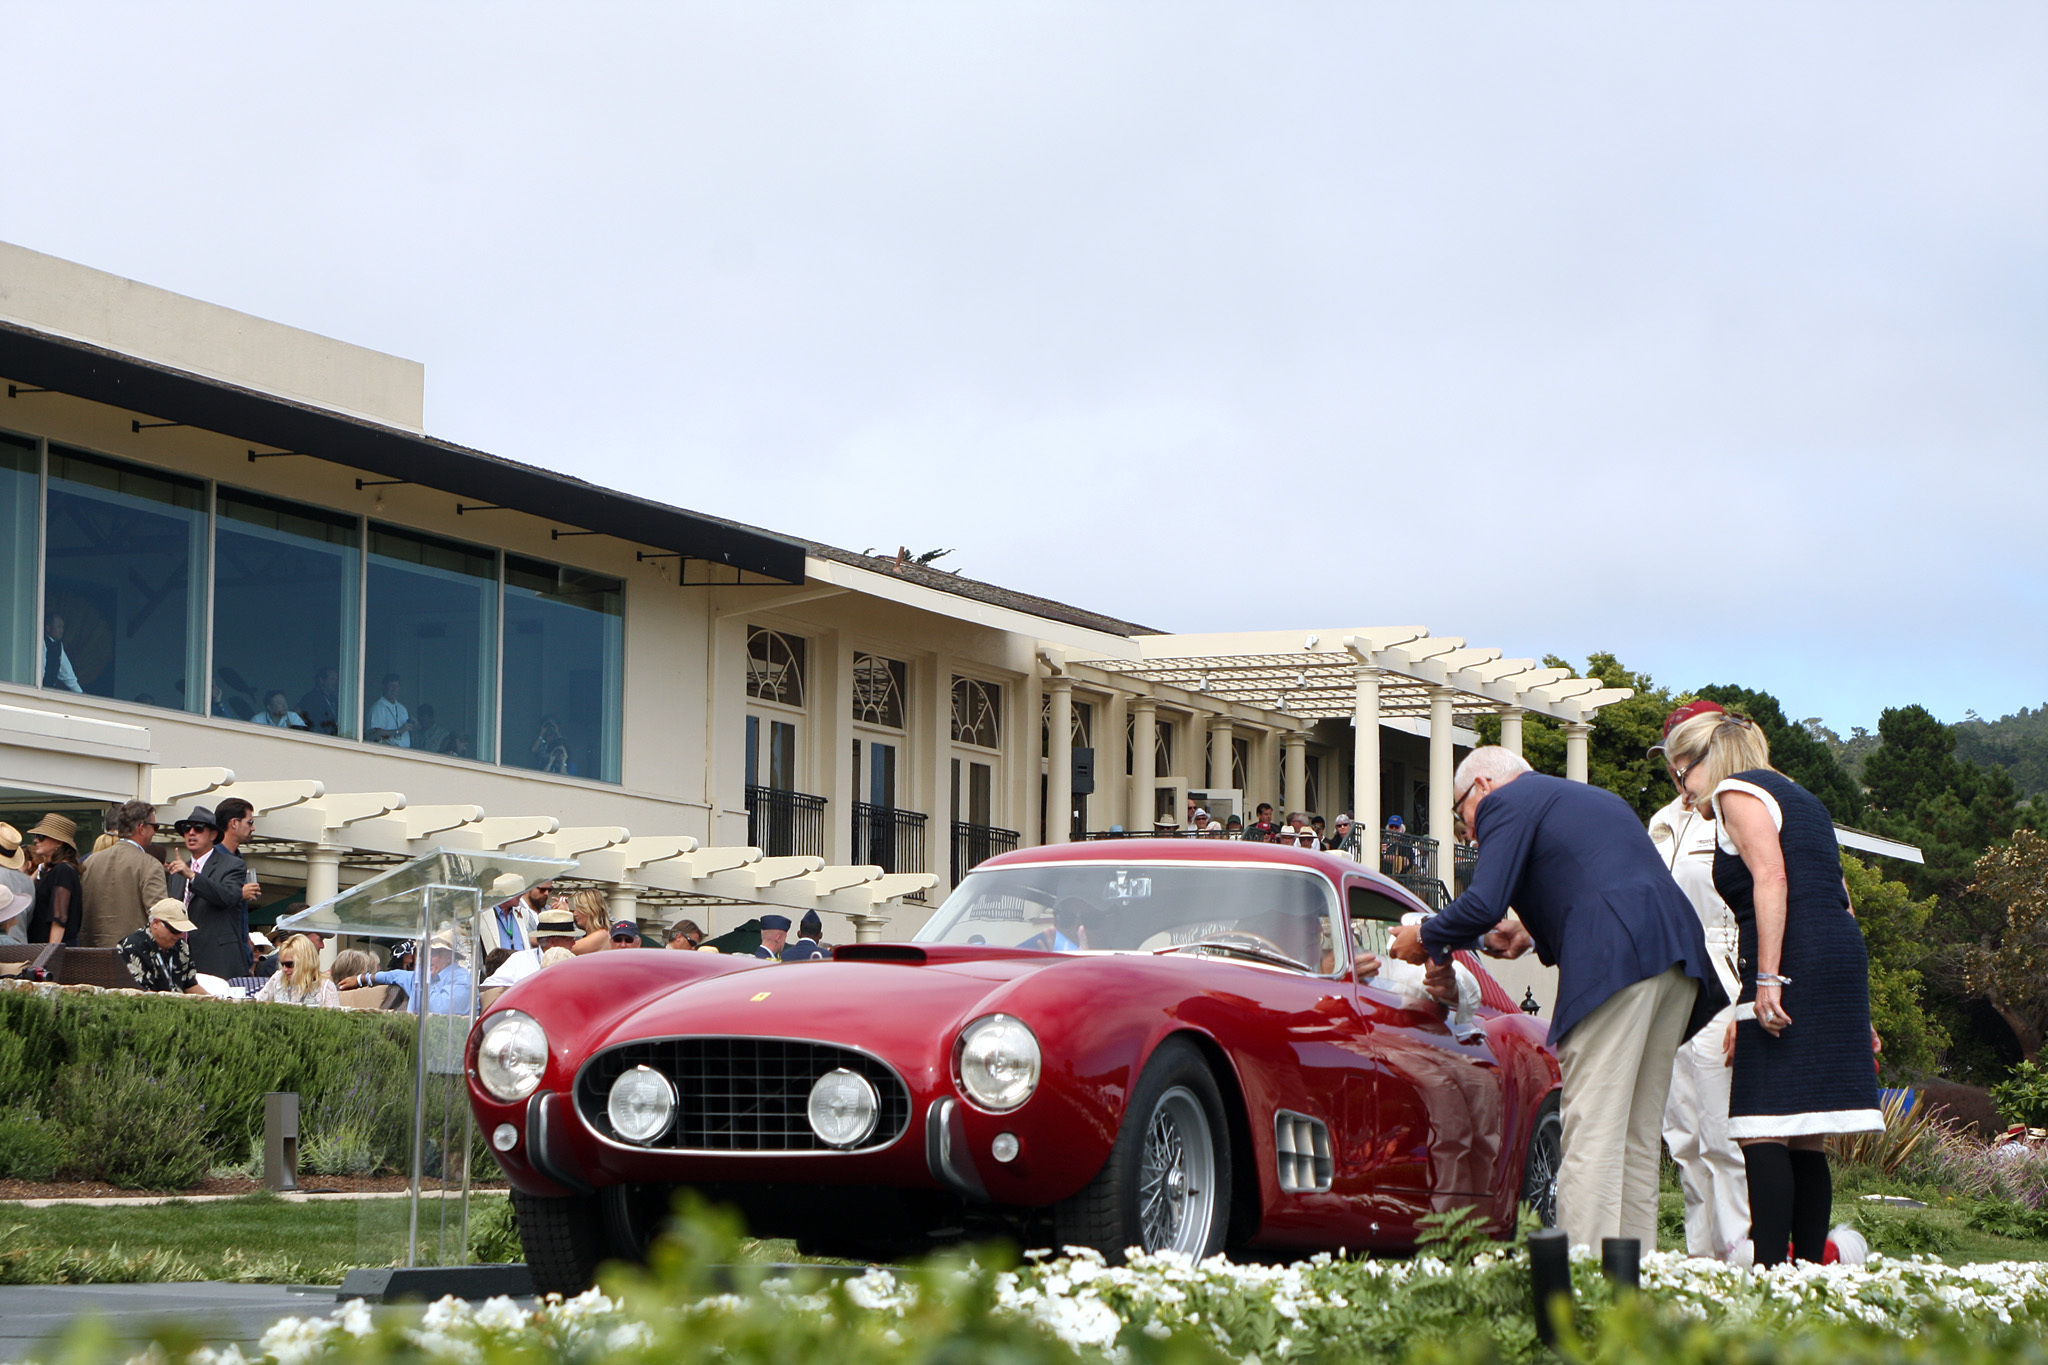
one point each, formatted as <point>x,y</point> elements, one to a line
<point>19,495</point>
<point>563,653</point>
<point>430,649</point>
<point>125,584</point>
<point>285,584</point>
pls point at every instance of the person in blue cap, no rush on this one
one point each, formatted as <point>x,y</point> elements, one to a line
<point>774,933</point>
<point>810,930</point>
<point>1395,854</point>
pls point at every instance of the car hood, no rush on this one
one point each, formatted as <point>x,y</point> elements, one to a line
<point>896,1007</point>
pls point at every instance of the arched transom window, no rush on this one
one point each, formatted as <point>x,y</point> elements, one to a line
<point>775,666</point>
<point>878,691</point>
<point>977,713</point>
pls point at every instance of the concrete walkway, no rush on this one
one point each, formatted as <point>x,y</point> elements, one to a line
<point>136,1200</point>
<point>31,1315</point>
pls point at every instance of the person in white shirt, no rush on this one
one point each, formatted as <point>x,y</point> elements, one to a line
<point>277,711</point>
<point>1711,1172</point>
<point>57,669</point>
<point>556,928</point>
<point>390,722</point>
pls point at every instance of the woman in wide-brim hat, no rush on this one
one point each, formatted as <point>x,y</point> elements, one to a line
<point>59,912</point>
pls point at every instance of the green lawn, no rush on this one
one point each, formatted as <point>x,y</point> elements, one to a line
<point>258,1238</point>
<point>263,1239</point>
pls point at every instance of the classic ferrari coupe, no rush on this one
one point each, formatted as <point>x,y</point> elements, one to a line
<point>1157,1043</point>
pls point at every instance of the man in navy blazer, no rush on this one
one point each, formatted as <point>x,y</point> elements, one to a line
<point>1633,977</point>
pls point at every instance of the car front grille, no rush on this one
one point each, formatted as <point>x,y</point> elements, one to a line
<point>741,1094</point>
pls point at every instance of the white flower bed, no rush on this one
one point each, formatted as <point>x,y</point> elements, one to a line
<point>1252,1311</point>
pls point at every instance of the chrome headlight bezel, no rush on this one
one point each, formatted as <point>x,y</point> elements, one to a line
<point>997,1063</point>
<point>511,1055</point>
<point>829,1093</point>
<point>661,1089</point>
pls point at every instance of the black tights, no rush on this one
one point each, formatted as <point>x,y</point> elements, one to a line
<point>1791,1195</point>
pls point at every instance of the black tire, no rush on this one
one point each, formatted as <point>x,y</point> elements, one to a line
<point>1166,1184</point>
<point>633,1216</point>
<point>1541,1160</point>
<point>564,1240</point>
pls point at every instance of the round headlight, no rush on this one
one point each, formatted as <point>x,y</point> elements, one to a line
<point>998,1062</point>
<point>842,1108</point>
<point>511,1055</point>
<point>642,1103</point>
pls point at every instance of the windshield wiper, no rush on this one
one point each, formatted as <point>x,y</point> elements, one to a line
<point>1240,945</point>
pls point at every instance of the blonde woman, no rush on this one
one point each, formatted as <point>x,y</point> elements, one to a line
<point>593,921</point>
<point>1802,1053</point>
<point>298,979</point>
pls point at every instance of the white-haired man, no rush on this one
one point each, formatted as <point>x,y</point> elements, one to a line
<point>1634,978</point>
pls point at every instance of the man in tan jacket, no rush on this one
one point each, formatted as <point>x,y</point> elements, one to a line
<point>120,882</point>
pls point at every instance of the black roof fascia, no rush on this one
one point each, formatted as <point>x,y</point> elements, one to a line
<point>89,372</point>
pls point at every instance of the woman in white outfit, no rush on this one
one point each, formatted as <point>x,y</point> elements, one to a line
<point>298,979</point>
<point>1711,1172</point>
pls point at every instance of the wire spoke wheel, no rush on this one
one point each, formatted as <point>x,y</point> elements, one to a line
<point>1177,1179</point>
<point>1540,1168</point>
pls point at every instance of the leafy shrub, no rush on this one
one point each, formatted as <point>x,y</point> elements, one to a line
<point>31,1148</point>
<point>2005,1218</point>
<point>493,1233</point>
<point>2023,1095</point>
<point>1902,1232</point>
<point>355,1065</point>
<point>135,1128</point>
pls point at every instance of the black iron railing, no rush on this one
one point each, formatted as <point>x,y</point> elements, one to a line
<point>1411,859</point>
<point>785,824</point>
<point>890,839</point>
<point>976,844</point>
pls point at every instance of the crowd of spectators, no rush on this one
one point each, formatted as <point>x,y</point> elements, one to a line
<point>176,915</point>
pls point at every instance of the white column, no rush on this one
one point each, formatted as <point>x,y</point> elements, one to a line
<point>1365,751</point>
<point>868,928</point>
<point>323,873</point>
<point>1112,797</point>
<point>1294,750</point>
<point>1059,768</point>
<point>1575,735</point>
<point>622,901</point>
<point>1144,742</point>
<point>1511,728</point>
<point>1440,779</point>
<point>1220,734</point>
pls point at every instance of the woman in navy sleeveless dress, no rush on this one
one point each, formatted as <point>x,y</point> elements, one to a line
<point>1802,1057</point>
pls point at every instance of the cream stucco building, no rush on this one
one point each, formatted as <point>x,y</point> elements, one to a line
<point>272,583</point>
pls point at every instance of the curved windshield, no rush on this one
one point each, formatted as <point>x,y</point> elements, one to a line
<point>1270,913</point>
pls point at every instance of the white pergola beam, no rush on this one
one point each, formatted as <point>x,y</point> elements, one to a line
<point>264,797</point>
<point>619,862</point>
<point>770,871</point>
<point>167,785</point>
<point>575,842</point>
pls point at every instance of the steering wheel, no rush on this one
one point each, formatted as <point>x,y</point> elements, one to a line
<point>1244,941</point>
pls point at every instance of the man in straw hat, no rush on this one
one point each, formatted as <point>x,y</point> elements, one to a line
<point>54,841</point>
<point>123,880</point>
<point>555,927</point>
<point>447,986</point>
<point>156,955</point>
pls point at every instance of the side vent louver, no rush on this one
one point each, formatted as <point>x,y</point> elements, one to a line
<point>1303,1148</point>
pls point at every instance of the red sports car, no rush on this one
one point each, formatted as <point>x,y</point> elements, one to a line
<point>1149,1042</point>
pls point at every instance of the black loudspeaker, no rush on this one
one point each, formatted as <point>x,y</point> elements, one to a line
<point>1084,772</point>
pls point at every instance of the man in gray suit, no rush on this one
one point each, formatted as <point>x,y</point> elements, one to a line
<point>118,884</point>
<point>209,880</point>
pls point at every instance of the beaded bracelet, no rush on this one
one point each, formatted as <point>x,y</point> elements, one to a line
<point>1772,979</point>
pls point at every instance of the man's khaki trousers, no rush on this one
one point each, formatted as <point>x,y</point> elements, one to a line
<point>1617,1072</point>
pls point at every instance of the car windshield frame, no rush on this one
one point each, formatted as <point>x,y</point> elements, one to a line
<point>1041,917</point>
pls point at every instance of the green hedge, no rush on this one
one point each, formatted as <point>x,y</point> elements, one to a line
<point>152,1092</point>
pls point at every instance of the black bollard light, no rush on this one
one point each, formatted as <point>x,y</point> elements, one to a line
<point>1550,1279</point>
<point>1621,1260</point>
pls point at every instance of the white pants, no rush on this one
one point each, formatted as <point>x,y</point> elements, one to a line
<point>1710,1167</point>
<point>1617,1072</point>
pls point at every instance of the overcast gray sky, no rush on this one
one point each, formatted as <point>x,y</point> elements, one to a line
<point>1715,335</point>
